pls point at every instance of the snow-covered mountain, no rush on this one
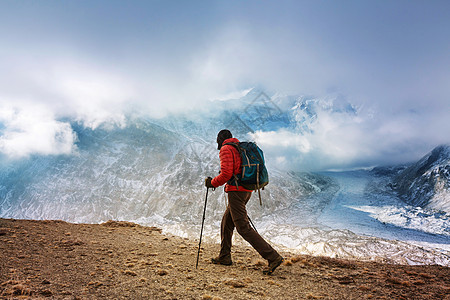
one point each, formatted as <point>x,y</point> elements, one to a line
<point>427,182</point>
<point>137,172</point>
<point>152,172</point>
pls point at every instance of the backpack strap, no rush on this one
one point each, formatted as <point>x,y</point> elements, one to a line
<point>236,179</point>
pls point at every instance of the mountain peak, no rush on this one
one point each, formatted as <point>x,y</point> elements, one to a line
<point>427,182</point>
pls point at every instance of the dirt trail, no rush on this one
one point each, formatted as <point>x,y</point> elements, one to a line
<point>121,260</point>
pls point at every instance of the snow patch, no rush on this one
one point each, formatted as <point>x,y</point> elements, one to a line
<point>410,217</point>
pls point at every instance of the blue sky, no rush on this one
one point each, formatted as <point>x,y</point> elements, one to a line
<point>96,61</point>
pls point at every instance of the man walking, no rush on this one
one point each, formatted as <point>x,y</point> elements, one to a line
<point>236,214</point>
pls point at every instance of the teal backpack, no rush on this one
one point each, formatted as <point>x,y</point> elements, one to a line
<point>254,174</point>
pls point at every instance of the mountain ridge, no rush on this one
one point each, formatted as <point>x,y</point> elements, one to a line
<point>426,183</point>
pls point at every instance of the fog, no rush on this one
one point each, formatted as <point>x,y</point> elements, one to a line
<point>99,62</point>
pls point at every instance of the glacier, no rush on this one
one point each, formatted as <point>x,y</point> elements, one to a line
<point>152,172</point>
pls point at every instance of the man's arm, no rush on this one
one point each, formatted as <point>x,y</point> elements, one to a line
<point>226,166</point>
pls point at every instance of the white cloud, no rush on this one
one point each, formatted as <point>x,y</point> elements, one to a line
<point>71,88</point>
<point>97,72</point>
<point>335,138</point>
<point>93,97</point>
<point>32,129</point>
<point>35,95</point>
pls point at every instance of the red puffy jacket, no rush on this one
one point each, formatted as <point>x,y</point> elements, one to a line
<point>230,164</point>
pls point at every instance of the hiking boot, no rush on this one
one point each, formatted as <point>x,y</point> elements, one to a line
<point>273,265</point>
<point>222,261</point>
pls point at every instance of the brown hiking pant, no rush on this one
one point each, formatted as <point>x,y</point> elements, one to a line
<point>236,216</point>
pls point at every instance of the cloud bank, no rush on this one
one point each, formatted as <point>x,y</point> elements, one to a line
<point>30,129</point>
<point>330,134</point>
<point>96,65</point>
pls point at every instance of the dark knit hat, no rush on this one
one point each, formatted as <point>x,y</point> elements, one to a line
<point>222,136</point>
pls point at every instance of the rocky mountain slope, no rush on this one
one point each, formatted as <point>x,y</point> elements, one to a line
<point>427,182</point>
<point>143,171</point>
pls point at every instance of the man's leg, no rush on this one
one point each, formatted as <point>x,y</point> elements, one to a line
<point>238,211</point>
<point>226,235</point>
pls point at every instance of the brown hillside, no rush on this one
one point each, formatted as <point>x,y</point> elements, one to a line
<point>121,260</point>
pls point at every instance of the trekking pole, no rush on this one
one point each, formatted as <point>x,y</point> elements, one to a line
<point>252,224</point>
<point>201,231</point>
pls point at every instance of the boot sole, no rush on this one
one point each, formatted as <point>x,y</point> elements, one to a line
<point>272,269</point>
<point>216,262</point>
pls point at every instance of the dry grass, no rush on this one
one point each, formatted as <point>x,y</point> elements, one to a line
<point>162,272</point>
<point>129,272</point>
<point>287,262</point>
<point>235,283</point>
<point>121,260</point>
<point>260,263</point>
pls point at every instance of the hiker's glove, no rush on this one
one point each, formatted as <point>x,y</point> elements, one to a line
<point>208,183</point>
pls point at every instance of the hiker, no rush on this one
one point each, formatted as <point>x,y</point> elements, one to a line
<point>236,214</point>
